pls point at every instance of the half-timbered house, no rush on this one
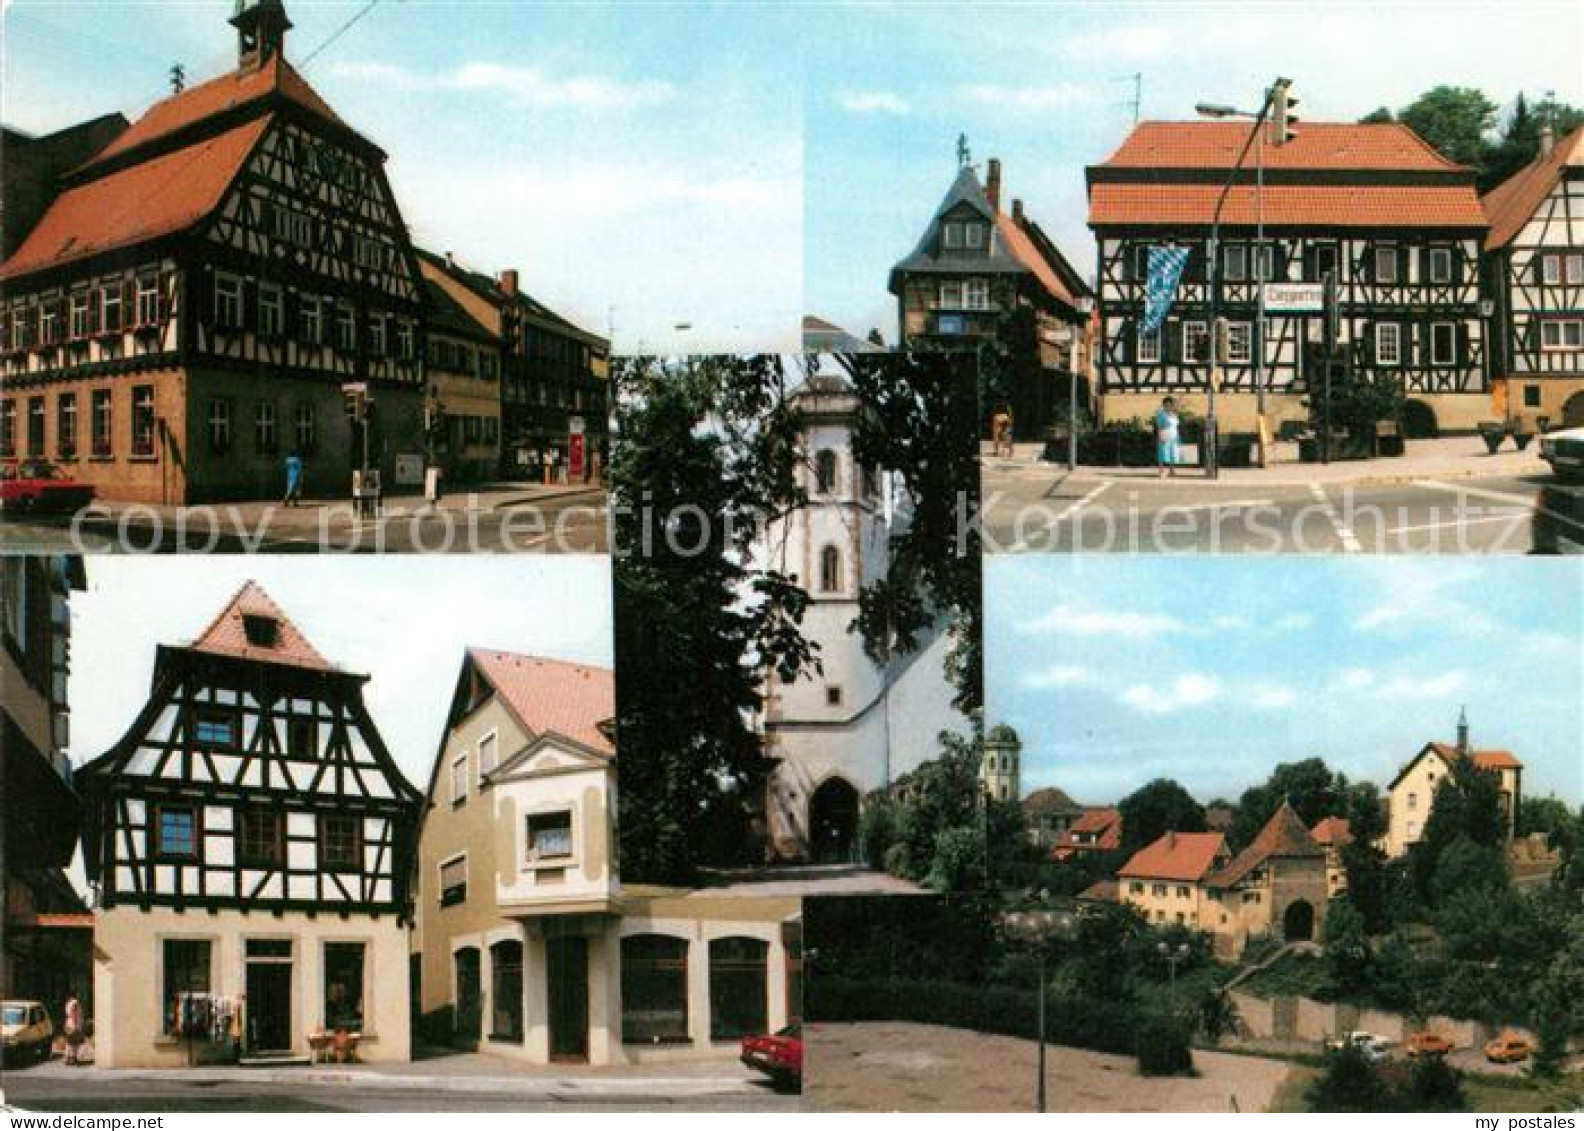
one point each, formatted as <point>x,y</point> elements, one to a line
<point>250,843</point>
<point>527,944</point>
<point>1397,225</point>
<point>462,369</point>
<point>1535,278</point>
<point>983,278</point>
<point>196,302</point>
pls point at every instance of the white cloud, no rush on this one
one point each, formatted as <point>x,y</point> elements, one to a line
<point>523,86</point>
<point>1356,679</point>
<point>1272,696</point>
<point>875,102</point>
<point>1188,690</point>
<point>1414,592</point>
<point>1293,621</point>
<point>1131,42</point>
<point>1057,96</point>
<point>1060,675</point>
<point>1421,687</point>
<point>1072,621</point>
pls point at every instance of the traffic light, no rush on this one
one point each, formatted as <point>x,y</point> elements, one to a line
<point>1333,311</point>
<point>1283,120</point>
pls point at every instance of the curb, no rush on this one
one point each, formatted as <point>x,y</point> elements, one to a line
<point>671,1087</point>
<point>1099,475</point>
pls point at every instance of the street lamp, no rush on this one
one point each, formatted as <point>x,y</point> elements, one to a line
<point>1277,101</point>
<point>1173,955</point>
<point>1039,929</point>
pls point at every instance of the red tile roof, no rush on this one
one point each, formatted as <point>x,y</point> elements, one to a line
<point>227,633</point>
<point>1332,831</point>
<point>214,97</point>
<point>1510,204</point>
<point>1319,145</point>
<point>1025,252</point>
<point>1484,759</point>
<point>1284,835</point>
<point>1331,206</point>
<point>553,696</point>
<point>1177,856</point>
<point>154,198</point>
<point>1098,821</point>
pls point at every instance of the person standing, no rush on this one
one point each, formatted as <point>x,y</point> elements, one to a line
<point>1001,431</point>
<point>72,1026</point>
<point>294,470</point>
<point>1167,437</point>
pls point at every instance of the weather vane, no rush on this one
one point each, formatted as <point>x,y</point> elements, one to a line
<point>964,156</point>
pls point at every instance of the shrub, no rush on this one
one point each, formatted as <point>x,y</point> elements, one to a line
<point>1419,421</point>
<point>898,861</point>
<point>1435,1086</point>
<point>1161,1044</point>
<point>1349,1082</point>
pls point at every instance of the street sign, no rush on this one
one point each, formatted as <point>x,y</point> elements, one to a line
<point>575,425</point>
<point>1294,298</point>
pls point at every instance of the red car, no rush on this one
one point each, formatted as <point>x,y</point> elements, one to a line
<point>34,485</point>
<point>779,1056</point>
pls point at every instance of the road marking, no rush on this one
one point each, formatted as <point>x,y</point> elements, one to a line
<point>1218,506</point>
<point>1350,542</point>
<point>1511,516</point>
<point>1529,503</point>
<point>1022,545</point>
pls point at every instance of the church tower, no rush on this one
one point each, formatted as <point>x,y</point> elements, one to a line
<point>1000,772</point>
<point>261,32</point>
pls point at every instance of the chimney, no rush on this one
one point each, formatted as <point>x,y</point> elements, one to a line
<point>1171,839</point>
<point>1463,733</point>
<point>1017,210</point>
<point>993,184</point>
<point>1547,137</point>
<point>508,280</point>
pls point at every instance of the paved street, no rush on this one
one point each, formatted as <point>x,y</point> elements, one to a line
<point>1446,499</point>
<point>901,1066</point>
<point>455,1083</point>
<point>512,519</point>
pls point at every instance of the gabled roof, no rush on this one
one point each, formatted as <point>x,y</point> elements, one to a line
<point>1284,835</point>
<point>1510,204</point>
<point>1187,857</point>
<point>1333,831</point>
<point>227,633</point>
<point>575,701</point>
<point>491,291</point>
<point>1351,146</point>
<point>448,316</point>
<point>192,106</point>
<point>1330,206</point>
<point>1051,800</point>
<point>141,202</point>
<point>1013,248</point>
<point>1448,753</point>
<point>820,336</point>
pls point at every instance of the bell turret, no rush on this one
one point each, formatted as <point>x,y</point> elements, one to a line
<point>261,31</point>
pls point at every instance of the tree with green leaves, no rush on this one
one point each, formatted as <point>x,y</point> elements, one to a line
<point>1363,860</point>
<point>1153,810</point>
<point>708,449</point>
<point>1467,804</point>
<point>1348,1082</point>
<point>1309,786</point>
<point>1349,962</point>
<point>918,424</point>
<point>1455,120</point>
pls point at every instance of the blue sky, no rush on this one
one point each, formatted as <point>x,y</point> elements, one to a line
<point>403,620</point>
<point>1117,669</point>
<point>641,166</point>
<point>1044,88</point>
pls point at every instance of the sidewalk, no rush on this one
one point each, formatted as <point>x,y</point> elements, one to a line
<point>1452,457</point>
<point>480,497</point>
<point>452,1072</point>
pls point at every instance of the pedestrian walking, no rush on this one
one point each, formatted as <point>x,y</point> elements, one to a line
<point>1001,432</point>
<point>72,1026</point>
<point>294,470</point>
<point>1167,437</point>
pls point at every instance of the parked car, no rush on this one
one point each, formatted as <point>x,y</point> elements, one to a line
<point>1509,1048</point>
<point>1564,451</point>
<point>26,1032</point>
<point>1558,524</point>
<point>1373,1047</point>
<point>36,485</point>
<point>1426,1043</point>
<point>779,1056</point>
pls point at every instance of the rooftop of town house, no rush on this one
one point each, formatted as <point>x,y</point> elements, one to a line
<point>252,626</point>
<point>1510,204</point>
<point>1284,836</point>
<point>575,701</point>
<point>1186,857</point>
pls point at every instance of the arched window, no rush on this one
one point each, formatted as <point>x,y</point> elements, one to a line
<point>830,570</point>
<point>506,991</point>
<point>654,988</point>
<point>739,993</point>
<point>825,471</point>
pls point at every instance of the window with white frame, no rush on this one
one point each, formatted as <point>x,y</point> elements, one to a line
<point>307,428</point>
<point>147,300</point>
<point>1550,270</point>
<point>548,836</point>
<point>1440,265</point>
<point>265,437</point>
<point>459,779</point>
<point>219,424</point>
<point>228,302</point>
<point>1562,334</point>
<point>1265,262</point>
<point>310,319</point>
<point>79,315</point>
<point>404,340</point>
<point>951,294</point>
<point>1148,345</point>
<point>974,235</point>
<point>1234,263</point>
<point>271,319</point>
<point>1388,343</point>
<point>49,322</point>
<point>952,234</point>
<point>454,881</point>
<point>976,294</point>
<point>143,420</point>
<point>488,746</point>
<point>377,335</point>
<point>110,307</point>
<point>8,425</point>
<point>1575,270</point>
<point>1240,343</point>
<point>1386,265</point>
<point>1195,342</point>
<point>1443,343</point>
<point>345,328</point>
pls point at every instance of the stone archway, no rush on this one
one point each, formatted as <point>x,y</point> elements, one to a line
<point>833,822</point>
<point>1573,411</point>
<point>1298,921</point>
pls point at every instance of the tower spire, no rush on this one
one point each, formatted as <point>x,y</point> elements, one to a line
<point>1463,732</point>
<point>261,31</point>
